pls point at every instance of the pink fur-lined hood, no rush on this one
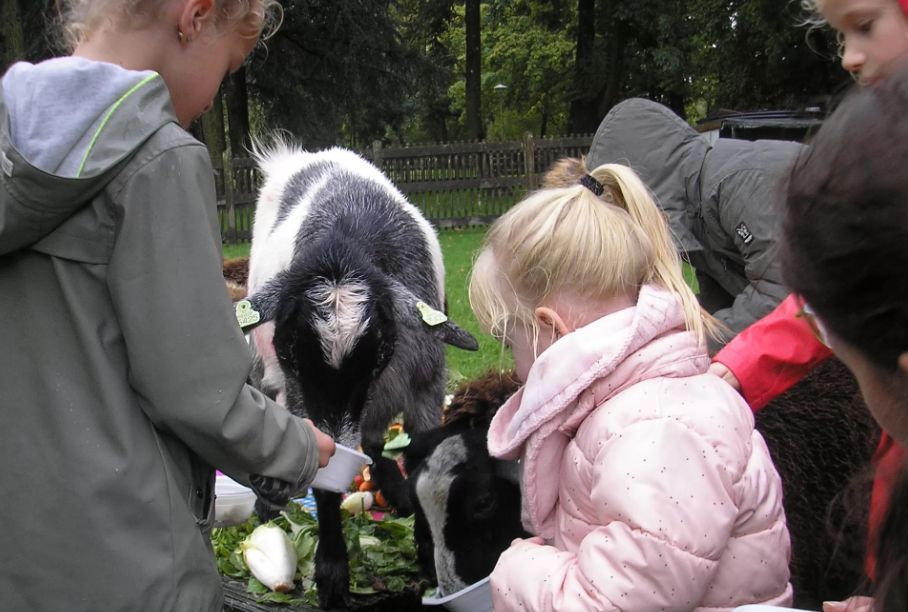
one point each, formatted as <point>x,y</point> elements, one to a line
<point>582,370</point>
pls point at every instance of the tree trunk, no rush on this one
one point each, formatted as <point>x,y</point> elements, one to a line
<point>615,44</point>
<point>583,115</point>
<point>213,129</point>
<point>474,70</point>
<point>237,101</point>
<point>13,41</point>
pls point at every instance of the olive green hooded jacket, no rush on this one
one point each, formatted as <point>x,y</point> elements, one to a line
<point>122,368</point>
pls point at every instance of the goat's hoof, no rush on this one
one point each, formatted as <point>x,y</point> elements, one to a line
<point>333,587</point>
<point>333,599</point>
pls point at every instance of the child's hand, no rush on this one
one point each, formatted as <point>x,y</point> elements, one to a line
<point>725,374</point>
<point>325,443</point>
<point>533,540</point>
<point>852,604</point>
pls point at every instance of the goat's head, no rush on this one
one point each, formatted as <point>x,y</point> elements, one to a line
<point>334,331</point>
<point>337,318</point>
<point>467,505</point>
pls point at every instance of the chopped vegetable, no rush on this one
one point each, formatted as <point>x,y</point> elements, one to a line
<point>386,567</point>
<point>357,502</point>
<point>379,499</point>
<point>398,442</point>
<point>270,556</point>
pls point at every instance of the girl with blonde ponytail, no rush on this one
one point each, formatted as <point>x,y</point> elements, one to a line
<point>641,474</point>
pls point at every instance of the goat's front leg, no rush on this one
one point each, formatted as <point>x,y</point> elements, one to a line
<point>385,472</point>
<point>332,569</point>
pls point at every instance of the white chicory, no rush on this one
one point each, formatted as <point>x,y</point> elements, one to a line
<point>270,556</point>
<point>357,502</point>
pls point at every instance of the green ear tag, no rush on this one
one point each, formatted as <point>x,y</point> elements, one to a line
<point>429,315</point>
<point>246,315</point>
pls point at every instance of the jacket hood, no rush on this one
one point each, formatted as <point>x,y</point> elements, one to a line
<point>575,376</point>
<point>620,347</point>
<point>66,125</point>
<point>664,150</point>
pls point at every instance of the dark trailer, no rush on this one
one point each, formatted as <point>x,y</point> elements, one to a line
<point>760,125</point>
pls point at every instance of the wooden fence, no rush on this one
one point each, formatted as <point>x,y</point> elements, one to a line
<point>454,185</point>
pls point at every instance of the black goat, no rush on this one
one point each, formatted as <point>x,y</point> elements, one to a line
<point>821,437</point>
<point>348,277</point>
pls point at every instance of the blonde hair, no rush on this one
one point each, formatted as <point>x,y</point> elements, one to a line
<point>79,18</point>
<point>813,18</point>
<point>594,247</point>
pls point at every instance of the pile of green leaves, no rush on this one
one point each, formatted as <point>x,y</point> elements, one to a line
<point>382,554</point>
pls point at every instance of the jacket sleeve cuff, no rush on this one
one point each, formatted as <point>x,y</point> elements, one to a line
<point>772,354</point>
<point>310,462</point>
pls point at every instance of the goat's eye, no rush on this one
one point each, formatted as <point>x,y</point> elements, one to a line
<point>484,506</point>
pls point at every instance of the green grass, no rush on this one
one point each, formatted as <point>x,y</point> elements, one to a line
<point>236,250</point>
<point>459,248</point>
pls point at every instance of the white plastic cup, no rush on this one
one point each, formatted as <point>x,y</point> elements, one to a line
<point>475,598</point>
<point>343,466</point>
<point>233,503</point>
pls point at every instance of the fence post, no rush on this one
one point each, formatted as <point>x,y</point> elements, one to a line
<point>529,160</point>
<point>229,198</point>
<point>376,153</point>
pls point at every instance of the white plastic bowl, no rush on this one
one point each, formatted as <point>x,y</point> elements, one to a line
<point>475,598</point>
<point>233,503</point>
<point>338,474</point>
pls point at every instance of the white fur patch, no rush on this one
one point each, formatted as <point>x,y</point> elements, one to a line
<point>433,487</point>
<point>341,319</point>
<point>279,163</point>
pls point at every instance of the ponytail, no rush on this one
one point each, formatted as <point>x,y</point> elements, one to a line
<point>623,188</point>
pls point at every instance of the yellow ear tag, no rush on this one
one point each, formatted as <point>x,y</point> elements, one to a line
<point>430,316</point>
<point>246,315</point>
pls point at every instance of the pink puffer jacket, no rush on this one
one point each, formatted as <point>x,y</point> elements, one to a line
<point>643,474</point>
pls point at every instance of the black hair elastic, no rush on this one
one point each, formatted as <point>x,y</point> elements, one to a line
<point>592,184</point>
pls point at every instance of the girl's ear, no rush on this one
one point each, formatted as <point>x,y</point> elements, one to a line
<point>903,363</point>
<point>546,317</point>
<point>193,14</point>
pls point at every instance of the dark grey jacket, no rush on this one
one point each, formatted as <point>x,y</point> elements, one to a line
<point>122,369</point>
<point>720,198</point>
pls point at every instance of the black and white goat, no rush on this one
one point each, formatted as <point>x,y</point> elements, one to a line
<point>343,271</point>
<point>467,504</point>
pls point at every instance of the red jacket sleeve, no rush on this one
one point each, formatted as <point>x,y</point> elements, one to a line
<point>773,354</point>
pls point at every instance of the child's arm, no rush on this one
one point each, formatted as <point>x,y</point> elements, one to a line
<point>748,218</point>
<point>187,359</point>
<point>772,354</point>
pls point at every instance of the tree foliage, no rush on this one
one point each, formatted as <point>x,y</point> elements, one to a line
<point>352,71</point>
<point>336,70</point>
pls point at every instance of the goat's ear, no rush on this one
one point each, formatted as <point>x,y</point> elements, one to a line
<point>437,322</point>
<point>455,335</point>
<point>261,306</point>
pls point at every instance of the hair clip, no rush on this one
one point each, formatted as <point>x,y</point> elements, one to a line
<point>592,184</point>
